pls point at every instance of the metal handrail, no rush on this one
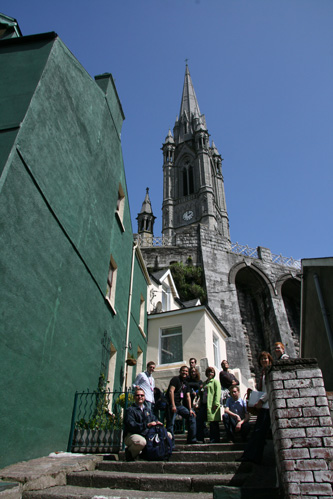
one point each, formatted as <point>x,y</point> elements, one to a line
<point>97,415</point>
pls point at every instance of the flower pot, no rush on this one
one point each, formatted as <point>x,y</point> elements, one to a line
<point>96,441</point>
<point>131,362</point>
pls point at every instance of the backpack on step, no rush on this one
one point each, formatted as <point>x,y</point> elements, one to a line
<point>159,445</point>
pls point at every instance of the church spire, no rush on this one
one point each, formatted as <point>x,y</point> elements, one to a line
<point>189,104</point>
<point>190,118</point>
<point>146,220</point>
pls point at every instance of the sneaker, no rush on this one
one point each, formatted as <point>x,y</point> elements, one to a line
<point>128,455</point>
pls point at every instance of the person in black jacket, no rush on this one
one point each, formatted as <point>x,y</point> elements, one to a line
<point>179,402</point>
<point>138,419</point>
<point>227,379</point>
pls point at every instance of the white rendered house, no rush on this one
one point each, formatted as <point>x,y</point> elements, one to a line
<point>178,331</point>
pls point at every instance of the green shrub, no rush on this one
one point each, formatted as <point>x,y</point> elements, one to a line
<point>189,280</point>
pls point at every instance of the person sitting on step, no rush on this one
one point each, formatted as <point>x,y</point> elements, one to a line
<point>137,420</point>
<point>236,418</point>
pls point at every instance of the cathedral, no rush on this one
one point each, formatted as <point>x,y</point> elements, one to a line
<point>254,293</point>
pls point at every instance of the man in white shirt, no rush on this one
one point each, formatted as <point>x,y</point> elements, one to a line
<point>146,381</point>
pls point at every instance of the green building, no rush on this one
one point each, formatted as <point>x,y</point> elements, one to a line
<point>74,286</point>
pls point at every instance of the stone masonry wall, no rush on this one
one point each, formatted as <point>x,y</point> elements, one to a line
<point>221,265</point>
<point>302,429</point>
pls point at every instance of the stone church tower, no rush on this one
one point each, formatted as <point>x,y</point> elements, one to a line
<point>192,177</point>
<point>256,295</point>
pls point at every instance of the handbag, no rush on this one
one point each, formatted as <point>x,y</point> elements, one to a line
<point>159,445</point>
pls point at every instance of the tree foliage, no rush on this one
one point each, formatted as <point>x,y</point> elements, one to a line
<point>189,281</point>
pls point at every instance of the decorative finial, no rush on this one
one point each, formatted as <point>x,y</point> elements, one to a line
<point>147,189</point>
<point>186,60</point>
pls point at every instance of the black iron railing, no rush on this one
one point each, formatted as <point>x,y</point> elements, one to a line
<point>97,421</point>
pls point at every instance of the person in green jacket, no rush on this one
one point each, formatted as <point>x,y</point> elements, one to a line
<point>210,396</point>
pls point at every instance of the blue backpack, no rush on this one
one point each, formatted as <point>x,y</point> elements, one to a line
<point>159,445</point>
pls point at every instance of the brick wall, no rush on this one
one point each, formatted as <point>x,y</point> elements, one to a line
<point>302,428</point>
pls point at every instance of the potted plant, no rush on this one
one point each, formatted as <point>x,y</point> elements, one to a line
<point>121,400</point>
<point>131,360</point>
<point>101,431</point>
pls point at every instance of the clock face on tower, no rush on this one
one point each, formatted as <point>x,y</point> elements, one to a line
<point>188,215</point>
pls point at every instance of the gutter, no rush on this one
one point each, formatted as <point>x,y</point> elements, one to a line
<point>135,245</point>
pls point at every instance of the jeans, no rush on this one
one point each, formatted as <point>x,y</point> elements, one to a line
<point>230,425</point>
<point>214,430</point>
<point>184,413</point>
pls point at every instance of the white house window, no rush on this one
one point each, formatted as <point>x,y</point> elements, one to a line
<point>142,313</point>
<point>171,345</point>
<point>216,349</point>
<point>166,298</point>
<point>111,283</point>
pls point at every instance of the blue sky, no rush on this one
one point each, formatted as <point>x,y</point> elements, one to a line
<point>263,75</point>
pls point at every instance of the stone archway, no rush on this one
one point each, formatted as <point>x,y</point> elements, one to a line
<point>291,295</point>
<point>257,313</point>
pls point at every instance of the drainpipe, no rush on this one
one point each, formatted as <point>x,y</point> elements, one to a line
<point>324,312</point>
<point>135,245</point>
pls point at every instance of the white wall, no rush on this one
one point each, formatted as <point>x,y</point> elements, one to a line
<point>197,328</point>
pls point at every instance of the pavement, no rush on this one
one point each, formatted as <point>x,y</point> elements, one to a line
<point>43,472</point>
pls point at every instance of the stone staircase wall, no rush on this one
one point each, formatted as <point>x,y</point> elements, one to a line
<point>302,428</point>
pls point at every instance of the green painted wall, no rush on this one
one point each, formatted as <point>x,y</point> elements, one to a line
<point>59,189</point>
<point>136,337</point>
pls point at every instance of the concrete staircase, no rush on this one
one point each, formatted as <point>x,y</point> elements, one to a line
<point>200,471</point>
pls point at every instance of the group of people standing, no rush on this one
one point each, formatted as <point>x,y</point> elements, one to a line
<point>199,402</point>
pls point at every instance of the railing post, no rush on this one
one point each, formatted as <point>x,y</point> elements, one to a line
<point>71,433</point>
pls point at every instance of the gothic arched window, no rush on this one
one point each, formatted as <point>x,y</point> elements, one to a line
<point>185,182</point>
<point>188,181</point>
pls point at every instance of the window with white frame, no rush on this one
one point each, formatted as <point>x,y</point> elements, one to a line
<point>120,205</point>
<point>171,345</point>
<point>216,350</point>
<point>165,298</point>
<point>111,283</point>
<point>142,313</point>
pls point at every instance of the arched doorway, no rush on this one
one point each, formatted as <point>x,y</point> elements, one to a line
<point>257,312</point>
<point>291,295</point>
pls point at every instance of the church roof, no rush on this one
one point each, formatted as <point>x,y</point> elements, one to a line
<point>189,103</point>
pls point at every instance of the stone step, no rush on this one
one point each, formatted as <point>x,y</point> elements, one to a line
<point>223,492</point>
<point>72,492</point>
<point>177,468</point>
<point>203,456</point>
<point>145,481</point>
<point>221,447</point>
<point>196,456</point>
